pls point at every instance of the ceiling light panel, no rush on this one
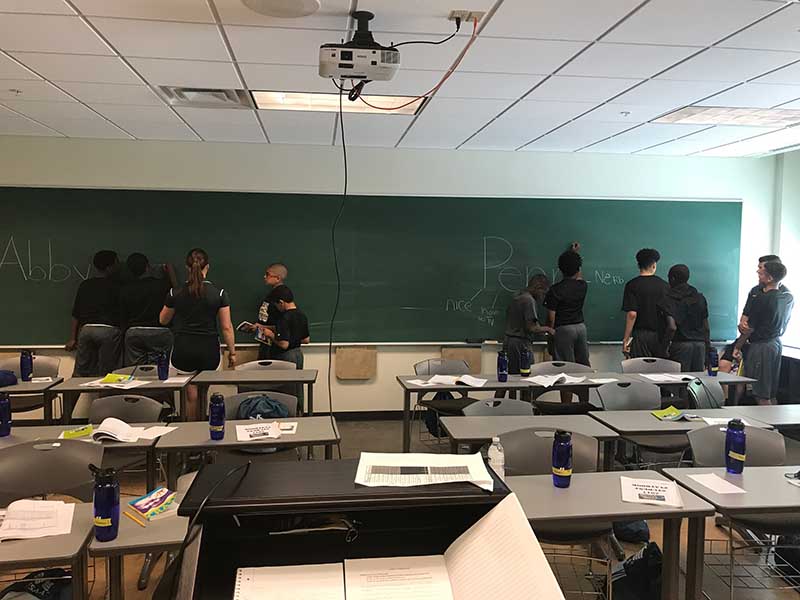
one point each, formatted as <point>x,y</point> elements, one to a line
<point>79,67</point>
<point>300,101</point>
<point>724,115</point>
<point>625,61</point>
<point>49,33</point>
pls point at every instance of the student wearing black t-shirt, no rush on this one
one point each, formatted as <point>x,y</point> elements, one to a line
<point>686,311</point>
<point>640,303</point>
<point>141,301</point>
<point>564,303</point>
<point>194,311</point>
<point>95,319</point>
<point>268,314</point>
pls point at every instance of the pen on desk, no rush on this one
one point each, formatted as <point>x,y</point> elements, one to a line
<point>132,518</point>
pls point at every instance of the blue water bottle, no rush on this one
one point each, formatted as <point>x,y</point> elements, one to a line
<point>525,361</point>
<point>106,503</point>
<point>502,366</point>
<point>163,366</point>
<point>5,415</point>
<point>216,417</point>
<point>562,459</point>
<point>713,362</point>
<point>26,365</point>
<point>735,447</point>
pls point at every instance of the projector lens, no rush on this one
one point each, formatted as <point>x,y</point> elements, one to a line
<point>346,55</point>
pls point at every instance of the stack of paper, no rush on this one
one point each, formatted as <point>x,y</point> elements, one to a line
<point>406,470</point>
<point>116,381</point>
<point>178,379</point>
<point>723,420</point>
<point>604,380</point>
<point>116,430</point>
<point>650,491</point>
<point>456,380</point>
<point>263,430</point>
<point>551,380</point>
<point>665,377</point>
<point>27,519</point>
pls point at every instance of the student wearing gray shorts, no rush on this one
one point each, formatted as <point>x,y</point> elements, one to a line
<point>564,303</point>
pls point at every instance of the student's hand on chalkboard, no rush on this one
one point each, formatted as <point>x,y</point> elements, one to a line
<point>70,345</point>
<point>575,246</point>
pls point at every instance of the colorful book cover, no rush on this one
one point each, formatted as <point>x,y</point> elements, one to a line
<point>153,503</point>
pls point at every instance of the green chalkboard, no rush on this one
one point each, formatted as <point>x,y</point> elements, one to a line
<point>413,268</point>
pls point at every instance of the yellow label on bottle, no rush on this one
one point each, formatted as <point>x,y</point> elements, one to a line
<point>562,472</point>
<point>736,455</point>
<point>102,522</point>
<point>217,427</point>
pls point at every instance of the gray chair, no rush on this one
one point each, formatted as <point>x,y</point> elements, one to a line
<point>554,367</point>
<point>43,366</point>
<point>126,407</point>
<point>498,407</point>
<point>765,448</point>
<point>266,364</point>
<point>440,407</point>
<point>650,365</point>
<point>145,371</point>
<point>705,393</point>
<point>283,365</point>
<point>48,467</point>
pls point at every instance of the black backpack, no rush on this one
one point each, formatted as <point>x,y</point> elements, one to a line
<point>639,577</point>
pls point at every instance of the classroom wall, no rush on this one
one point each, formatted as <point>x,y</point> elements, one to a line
<point>271,168</point>
<point>788,231</point>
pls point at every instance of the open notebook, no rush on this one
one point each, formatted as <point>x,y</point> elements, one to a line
<point>498,557</point>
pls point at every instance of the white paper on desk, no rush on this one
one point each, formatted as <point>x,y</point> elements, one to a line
<point>297,582</point>
<point>551,380</point>
<point>155,431</point>
<point>650,491</point>
<point>662,377</point>
<point>442,380</point>
<point>421,382</point>
<point>116,430</point>
<point>178,380</point>
<point>41,380</point>
<point>397,578</point>
<point>604,380</point>
<point>28,519</point>
<point>259,430</point>
<point>125,385</point>
<point>717,484</point>
<point>472,381</point>
<point>722,420</point>
<point>405,470</point>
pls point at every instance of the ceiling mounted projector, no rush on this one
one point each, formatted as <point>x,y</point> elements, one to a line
<point>361,58</point>
<point>286,9</point>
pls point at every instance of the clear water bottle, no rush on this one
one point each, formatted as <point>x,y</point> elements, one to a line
<point>497,458</point>
<point>502,366</point>
<point>106,503</point>
<point>26,365</point>
<point>562,459</point>
<point>216,417</point>
<point>735,447</point>
<point>713,362</point>
<point>163,366</point>
<point>5,415</point>
<point>525,361</point>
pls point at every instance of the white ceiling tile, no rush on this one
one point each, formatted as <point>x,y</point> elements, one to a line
<point>78,67</point>
<point>688,22</point>
<point>575,135</point>
<point>626,113</point>
<point>44,111</point>
<point>446,122</point>
<point>580,89</point>
<point>407,82</point>
<point>162,10</point>
<point>106,93</point>
<point>418,16</point>
<point>643,136</point>
<point>162,39</point>
<point>666,92</point>
<point>792,105</point>
<point>703,140</point>
<point>224,125</point>
<point>285,79</point>
<point>524,122</point>
<point>623,60</point>
<point>787,75</point>
<point>726,64</point>
<point>10,69</point>
<point>373,130</point>
<point>496,55</point>
<point>120,113</point>
<point>777,32</point>
<point>187,73</point>
<point>279,46</point>
<point>88,128</point>
<point>425,57</point>
<point>151,130</point>
<point>298,127</point>
<point>52,7</point>
<point>755,95</point>
<point>49,33</point>
<point>563,20</point>
<point>333,14</point>
<point>462,84</point>
<point>28,89</point>
<point>11,124</point>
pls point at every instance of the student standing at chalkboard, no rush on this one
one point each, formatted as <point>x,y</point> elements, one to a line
<point>686,311</point>
<point>95,319</point>
<point>196,309</point>
<point>640,299</point>
<point>564,303</point>
<point>268,313</point>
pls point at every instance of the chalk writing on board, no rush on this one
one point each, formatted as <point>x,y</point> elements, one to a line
<point>35,263</point>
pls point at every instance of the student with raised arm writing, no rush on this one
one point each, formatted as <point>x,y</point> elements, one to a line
<point>640,303</point>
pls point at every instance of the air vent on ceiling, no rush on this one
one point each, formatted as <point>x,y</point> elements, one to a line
<point>205,97</point>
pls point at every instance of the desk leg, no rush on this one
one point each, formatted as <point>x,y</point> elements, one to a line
<point>453,446</point>
<point>328,452</point>
<point>150,469</point>
<point>183,403</point>
<point>80,575</point>
<point>671,566</point>
<point>609,448</point>
<point>694,558</point>
<point>202,398</point>
<point>406,421</point>
<point>310,400</point>
<point>70,398</point>
<point>116,587</point>
<point>173,463</point>
<point>48,398</point>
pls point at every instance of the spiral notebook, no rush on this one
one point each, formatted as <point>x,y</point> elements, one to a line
<point>300,582</point>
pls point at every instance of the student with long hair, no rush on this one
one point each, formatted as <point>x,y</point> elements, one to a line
<point>196,308</point>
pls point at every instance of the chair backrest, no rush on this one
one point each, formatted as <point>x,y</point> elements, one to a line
<point>498,407</point>
<point>43,366</point>
<point>650,365</point>
<point>764,448</point>
<point>48,467</point>
<point>629,396</point>
<point>145,371</point>
<point>232,402</point>
<point>267,364</point>
<point>553,397</point>
<point>706,393</point>
<point>559,408</point>
<point>441,366</point>
<point>554,367</point>
<point>530,452</point>
<point>125,407</point>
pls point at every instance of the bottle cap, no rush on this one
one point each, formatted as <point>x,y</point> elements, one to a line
<point>736,425</point>
<point>217,397</point>
<point>103,475</point>
<point>563,436</point>
<point>495,440</point>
